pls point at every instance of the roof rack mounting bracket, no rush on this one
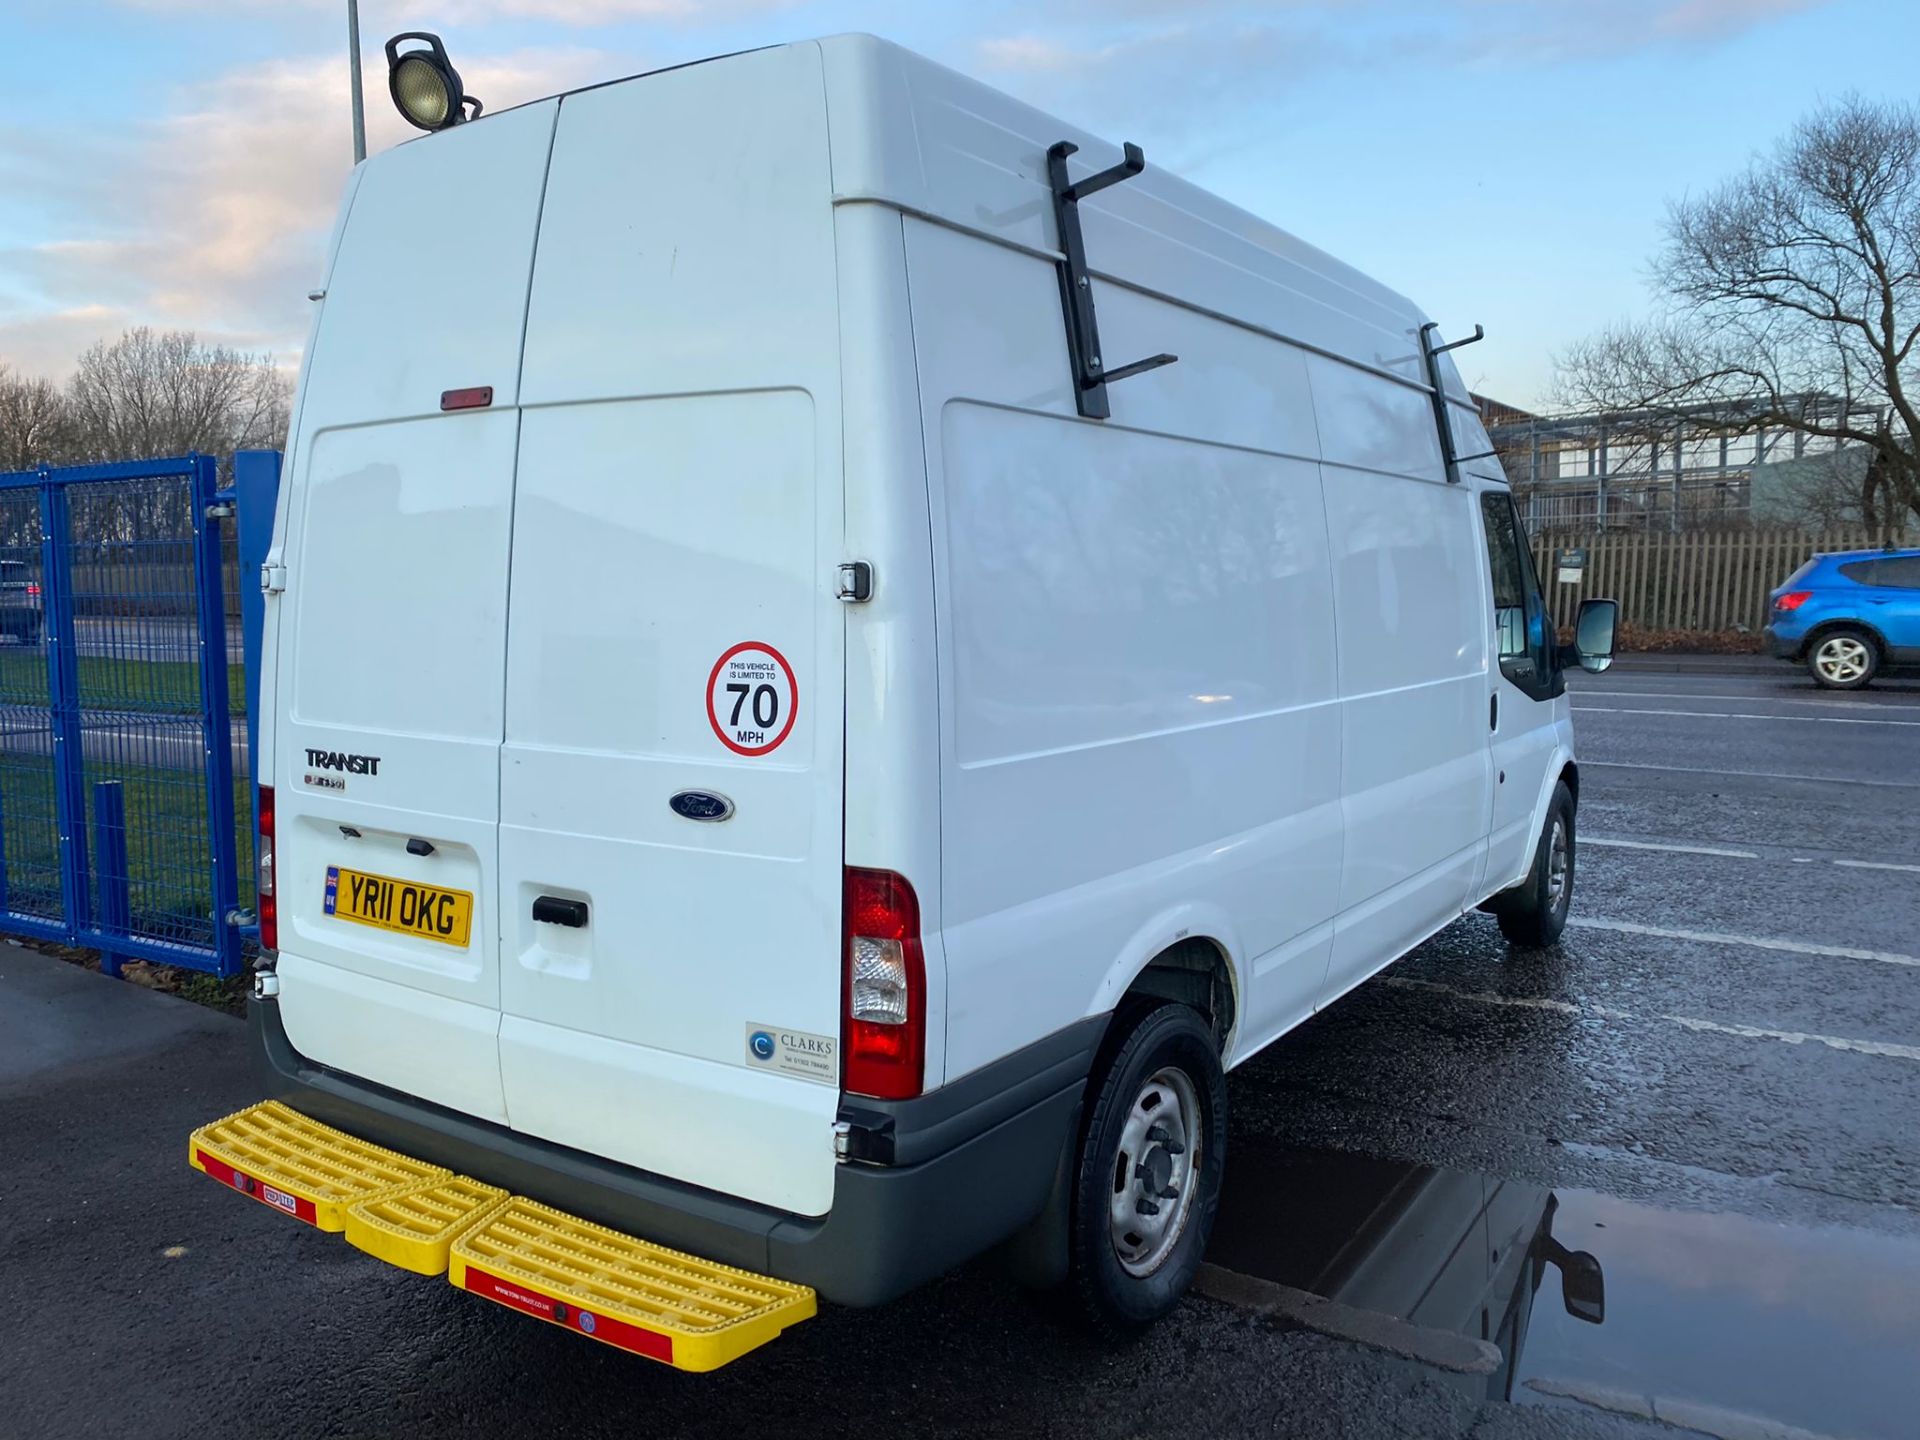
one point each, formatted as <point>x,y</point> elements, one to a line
<point>1431,353</point>
<point>1090,376</point>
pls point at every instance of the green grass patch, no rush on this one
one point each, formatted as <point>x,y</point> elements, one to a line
<point>169,878</point>
<point>109,682</point>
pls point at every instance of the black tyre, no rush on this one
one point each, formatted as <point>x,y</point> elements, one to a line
<point>1534,912</point>
<point>1147,1185</point>
<point>1844,658</point>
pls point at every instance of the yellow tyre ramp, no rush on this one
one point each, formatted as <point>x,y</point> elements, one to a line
<point>673,1307</point>
<point>311,1171</point>
<point>664,1304</point>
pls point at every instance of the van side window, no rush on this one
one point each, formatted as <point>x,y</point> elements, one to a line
<point>1519,614</point>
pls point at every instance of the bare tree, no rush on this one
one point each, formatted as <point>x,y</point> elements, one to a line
<point>1794,294</point>
<point>33,421</point>
<point>153,393</point>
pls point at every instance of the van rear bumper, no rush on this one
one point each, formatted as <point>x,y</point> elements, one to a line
<point>973,1162</point>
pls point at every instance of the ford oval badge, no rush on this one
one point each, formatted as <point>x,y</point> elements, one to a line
<point>702,805</point>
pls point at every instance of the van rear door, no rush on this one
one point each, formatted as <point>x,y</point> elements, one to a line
<point>671,966</point>
<point>392,632</point>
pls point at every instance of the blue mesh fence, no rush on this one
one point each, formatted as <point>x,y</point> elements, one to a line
<point>124,779</point>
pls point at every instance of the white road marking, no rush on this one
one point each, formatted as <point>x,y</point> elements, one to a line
<point>1751,774</point>
<point>1755,942</point>
<point>1884,1048</point>
<point>1612,844</point>
<point>1877,865</point>
<point>1601,693</point>
<point>1741,715</point>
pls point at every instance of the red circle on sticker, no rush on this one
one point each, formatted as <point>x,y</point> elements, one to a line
<point>752,698</point>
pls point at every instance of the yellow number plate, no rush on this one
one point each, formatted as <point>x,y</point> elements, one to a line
<point>405,906</point>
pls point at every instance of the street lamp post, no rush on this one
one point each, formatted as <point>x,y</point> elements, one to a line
<point>353,70</point>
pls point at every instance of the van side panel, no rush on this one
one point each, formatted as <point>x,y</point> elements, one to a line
<point>392,634</point>
<point>679,495</point>
<point>1141,737</point>
<point>1413,670</point>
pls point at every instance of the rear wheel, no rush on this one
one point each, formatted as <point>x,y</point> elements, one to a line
<point>1148,1181</point>
<point>1843,659</point>
<point>1534,912</point>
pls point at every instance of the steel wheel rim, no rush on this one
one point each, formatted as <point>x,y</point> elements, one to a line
<point>1559,866</point>
<point>1842,658</point>
<point>1155,1172</point>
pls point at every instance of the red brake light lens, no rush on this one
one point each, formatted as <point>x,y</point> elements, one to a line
<point>269,908</point>
<point>33,589</point>
<point>1792,600</point>
<point>885,992</point>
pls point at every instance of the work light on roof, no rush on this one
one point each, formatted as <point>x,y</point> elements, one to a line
<point>426,88</point>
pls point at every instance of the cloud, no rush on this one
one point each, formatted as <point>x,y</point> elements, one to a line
<point>447,14</point>
<point>215,218</point>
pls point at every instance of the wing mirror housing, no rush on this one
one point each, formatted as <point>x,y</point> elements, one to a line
<point>1593,636</point>
<point>1583,1288</point>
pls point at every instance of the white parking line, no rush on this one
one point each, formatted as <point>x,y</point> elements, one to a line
<point>1741,715</point>
<point>1754,942</point>
<point>1751,774</point>
<point>1612,844</point>
<point>1884,1048</point>
<point>1877,865</point>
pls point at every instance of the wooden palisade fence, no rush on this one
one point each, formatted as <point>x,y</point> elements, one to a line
<point>1700,580</point>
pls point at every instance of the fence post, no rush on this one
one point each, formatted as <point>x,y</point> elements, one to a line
<point>216,718</point>
<point>110,855</point>
<point>256,488</point>
<point>63,696</point>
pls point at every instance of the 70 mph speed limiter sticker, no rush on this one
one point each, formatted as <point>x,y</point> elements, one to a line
<point>752,698</point>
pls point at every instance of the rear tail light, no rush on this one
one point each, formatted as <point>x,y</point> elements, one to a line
<point>1792,600</point>
<point>269,907</point>
<point>33,589</point>
<point>886,987</point>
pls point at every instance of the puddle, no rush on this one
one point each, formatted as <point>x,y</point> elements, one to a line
<point>1704,1319</point>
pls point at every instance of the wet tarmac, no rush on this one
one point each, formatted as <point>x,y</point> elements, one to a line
<point>1734,1325</point>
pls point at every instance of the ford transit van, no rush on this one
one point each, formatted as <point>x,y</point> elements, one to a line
<point>839,651</point>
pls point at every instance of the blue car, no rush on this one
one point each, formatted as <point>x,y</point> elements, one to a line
<point>1849,616</point>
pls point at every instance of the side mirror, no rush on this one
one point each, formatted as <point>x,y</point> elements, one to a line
<point>1593,633</point>
<point>1583,1289</point>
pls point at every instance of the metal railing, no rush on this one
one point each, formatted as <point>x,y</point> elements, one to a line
<point>125,708</point>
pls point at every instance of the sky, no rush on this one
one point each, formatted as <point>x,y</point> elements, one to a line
<point>1504,162</point>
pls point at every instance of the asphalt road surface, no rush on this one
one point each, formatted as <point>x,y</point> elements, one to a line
<point>1710,1088</point>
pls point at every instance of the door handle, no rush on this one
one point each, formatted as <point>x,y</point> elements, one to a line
<point>553,910</point>
<point>1493,711</point>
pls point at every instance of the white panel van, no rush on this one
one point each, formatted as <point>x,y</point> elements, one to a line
<point>773,742</point>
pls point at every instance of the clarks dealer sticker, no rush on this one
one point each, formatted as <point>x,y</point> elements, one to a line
<point>794,1052</point>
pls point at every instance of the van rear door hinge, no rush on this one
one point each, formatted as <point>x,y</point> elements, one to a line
<point>273,579</point>
<point>855,583</point>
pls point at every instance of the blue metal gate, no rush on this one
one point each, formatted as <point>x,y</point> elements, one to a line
<point>125,712</point>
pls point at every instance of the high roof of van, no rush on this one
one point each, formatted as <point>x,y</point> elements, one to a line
<point>912,134</point>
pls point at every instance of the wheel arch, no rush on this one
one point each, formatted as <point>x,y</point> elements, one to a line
<point>1186,955</point>
<point>1845,622</point>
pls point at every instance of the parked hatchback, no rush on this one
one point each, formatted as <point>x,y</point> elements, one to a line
<point>1848,616</point>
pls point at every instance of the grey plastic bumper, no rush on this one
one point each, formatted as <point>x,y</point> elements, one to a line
<point>972,1163</point>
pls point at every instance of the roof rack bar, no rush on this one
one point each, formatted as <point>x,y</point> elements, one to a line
<point>1090,376</point>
